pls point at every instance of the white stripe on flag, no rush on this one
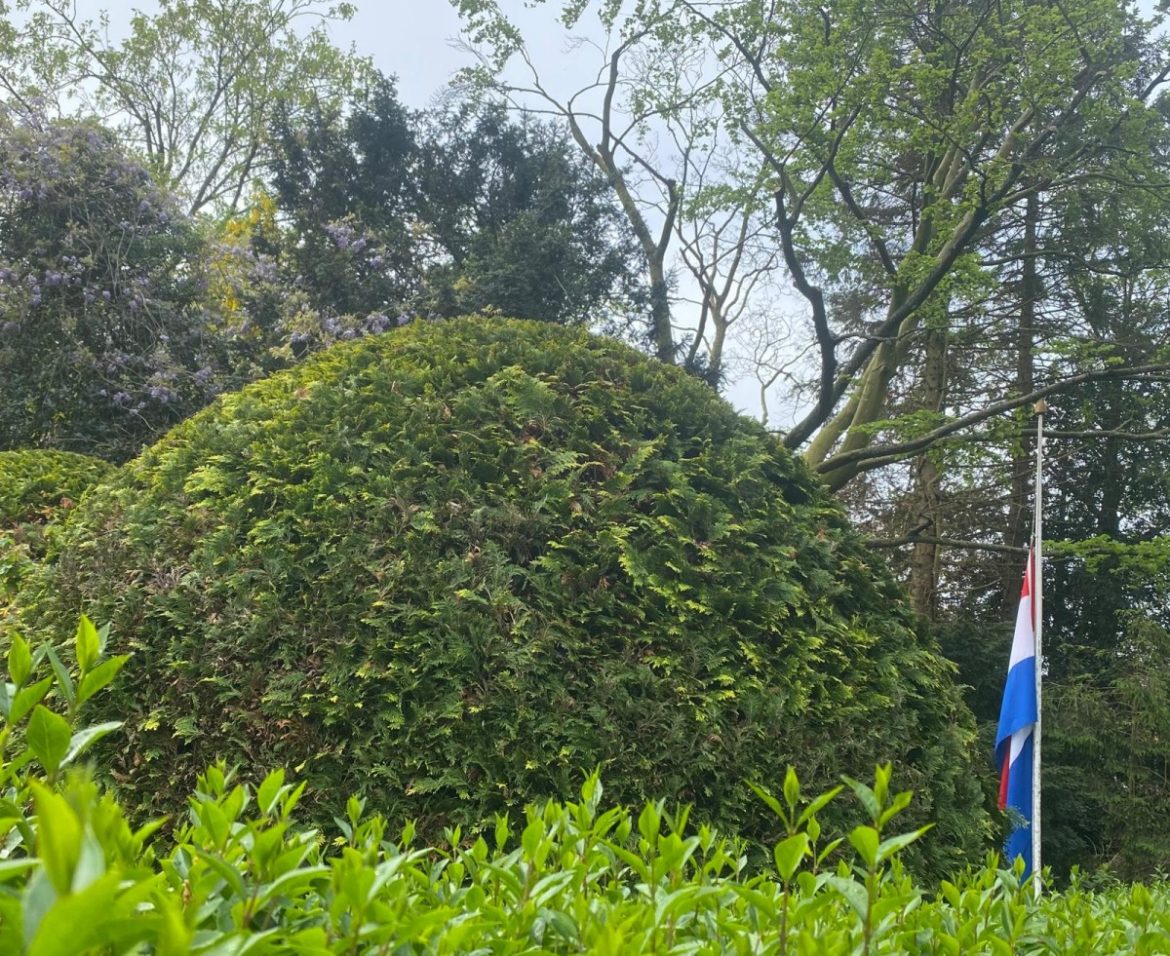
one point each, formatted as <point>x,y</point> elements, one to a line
<point>1019,738</point>
<point>1024,639</point>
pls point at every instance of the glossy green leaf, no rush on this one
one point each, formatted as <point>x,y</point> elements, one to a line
<point>48,738</point>
<point>19,660</point>
<point>87,645</point>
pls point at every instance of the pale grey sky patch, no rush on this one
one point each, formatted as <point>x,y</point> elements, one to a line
<point>414,41</point>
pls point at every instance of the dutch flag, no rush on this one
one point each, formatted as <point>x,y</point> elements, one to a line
<point>1017,720</point>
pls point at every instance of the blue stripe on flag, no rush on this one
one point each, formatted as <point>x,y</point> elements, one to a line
<point>1018,709</point>
<point>1019,798</point>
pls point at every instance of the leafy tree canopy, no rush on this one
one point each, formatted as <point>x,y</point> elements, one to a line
<point>192,89</point>
<point>451,211</point>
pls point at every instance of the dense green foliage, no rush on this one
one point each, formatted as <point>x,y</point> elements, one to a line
<point>121,315</point>
<point>240,874</point>
<point>452,211</point>
<point>970,198</point>
<point>451,568</point>
<point>524,225</point>
<point>35,486</point>
<point>1106,717</point>
<point>34,483</point>
<point>963,204</point>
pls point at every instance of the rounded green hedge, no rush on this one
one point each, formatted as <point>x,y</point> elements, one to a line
<point>36,486</point>
<point>453,567</point>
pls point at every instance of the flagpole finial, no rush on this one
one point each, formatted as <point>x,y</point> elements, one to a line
<point>1041,407</point>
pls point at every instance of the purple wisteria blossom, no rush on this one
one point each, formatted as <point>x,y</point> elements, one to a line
<point>91,251</point>
<point>377,322</point>
<point>342,234</point>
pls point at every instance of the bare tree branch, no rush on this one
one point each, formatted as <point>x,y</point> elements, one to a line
<point>898,450</point>
<point>911,539</point>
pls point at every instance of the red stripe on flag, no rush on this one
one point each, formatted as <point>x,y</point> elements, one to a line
<point>1003,776</point>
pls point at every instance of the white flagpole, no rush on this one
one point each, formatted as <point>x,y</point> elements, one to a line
<point>1038,627</point>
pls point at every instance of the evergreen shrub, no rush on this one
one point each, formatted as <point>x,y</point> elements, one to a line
<point>453,568</point>
<point>36,485</point>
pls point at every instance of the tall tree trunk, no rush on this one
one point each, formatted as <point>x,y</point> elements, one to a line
<point>1019,500</point>
<point>927,511</point>
<point>660,327</point>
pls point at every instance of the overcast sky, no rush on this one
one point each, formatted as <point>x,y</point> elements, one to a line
<point>409,39</point>
<point>418,43</point>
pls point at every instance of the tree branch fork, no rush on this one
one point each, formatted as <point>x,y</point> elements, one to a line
<point>871,456</point>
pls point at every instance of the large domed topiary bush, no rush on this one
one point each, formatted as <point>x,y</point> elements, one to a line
<point>453,567</point>
<point>36,486</point>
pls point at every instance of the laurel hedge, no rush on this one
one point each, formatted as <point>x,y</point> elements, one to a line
<point>241,873</point>
<point>454,568</point>
<point>36,486</point>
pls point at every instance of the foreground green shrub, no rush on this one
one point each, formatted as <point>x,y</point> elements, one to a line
<point>36,485</point>
<point>241,876</point>
<point>452,569</point>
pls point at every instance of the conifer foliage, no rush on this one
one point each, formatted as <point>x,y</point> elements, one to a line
<point>37,485</point>
<point>455,568</point>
